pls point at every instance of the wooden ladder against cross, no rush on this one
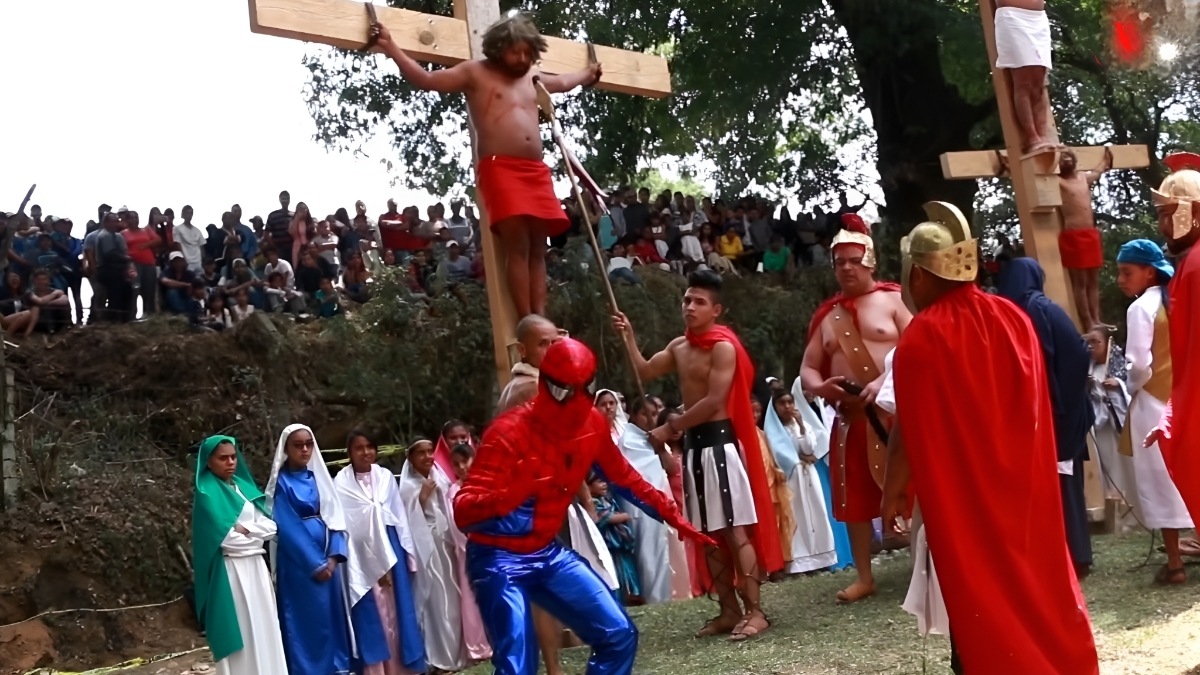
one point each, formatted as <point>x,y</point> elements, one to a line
<point>1035,179</point>
<point>447,41</point>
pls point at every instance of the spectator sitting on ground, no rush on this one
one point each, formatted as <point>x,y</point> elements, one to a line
<point>777,259</point>
<point>242,307</point>
<point>689,246</point>
<point>356,278</point>
<point>717,262</point>
<point>458,267</point>
<point>54,308</point>
<point>730,245</point>
<point>645,252</point>
<point>280,298</point>
<point>216,316</point>
<point>176,282</point>
<point>312,269</point>
<point>619,266</point>
<point>326,245</point>
<point>658,232</point>
<point>208,275</point>
<point>243,277</point>
<point>19,318</point>
<point>45,257</point>
<point>196,306</point>
<point>419,271</point>
<point>277,264</point>
<point>328,300</point>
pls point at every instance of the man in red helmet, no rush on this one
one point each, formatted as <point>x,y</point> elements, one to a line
<point>848,339</point>
<point>513,502</point>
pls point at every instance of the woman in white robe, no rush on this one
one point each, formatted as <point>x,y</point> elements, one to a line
<point>235,600</point>
<point>424,489</point>
<point>793,443</point>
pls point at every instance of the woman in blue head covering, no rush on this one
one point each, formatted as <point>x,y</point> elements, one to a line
<point>1068,365</point>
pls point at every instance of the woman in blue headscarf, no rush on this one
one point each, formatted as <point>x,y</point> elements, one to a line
<point>1068,365</point>
<point>314,611</point>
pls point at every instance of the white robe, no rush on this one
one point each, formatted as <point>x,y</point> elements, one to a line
<point>253,597</point>
<point>651,537</point>
<point>1161,505</point>
<point>812,545</point>
<point>438,594</point>
<point>924,599</point>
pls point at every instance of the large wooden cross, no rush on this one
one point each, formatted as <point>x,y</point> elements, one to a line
<point>1035,179</point>
<point>1036,188</point>
<point>447,41</point>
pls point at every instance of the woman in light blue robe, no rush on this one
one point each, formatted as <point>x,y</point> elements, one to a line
<point>841,538</point>
<point>314,615</point>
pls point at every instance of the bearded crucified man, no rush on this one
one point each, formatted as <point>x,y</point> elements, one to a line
<point>514,182</point>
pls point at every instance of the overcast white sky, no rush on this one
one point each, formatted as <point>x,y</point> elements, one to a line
<point>161,103</point>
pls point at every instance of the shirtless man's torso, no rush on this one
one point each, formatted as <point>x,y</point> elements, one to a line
<point>514,183</point>
<point>1079,243</point>
<point>880,317</point>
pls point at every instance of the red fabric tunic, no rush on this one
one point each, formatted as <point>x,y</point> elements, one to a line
<point>1180,441</point>
<point>741,415</point>
<point>974,408</point>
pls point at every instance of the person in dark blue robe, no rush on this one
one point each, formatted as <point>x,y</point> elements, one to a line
<point>1068,365</point>
<point>314,615</point>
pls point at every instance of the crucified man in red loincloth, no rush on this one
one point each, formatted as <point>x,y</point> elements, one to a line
<point>514,183</point>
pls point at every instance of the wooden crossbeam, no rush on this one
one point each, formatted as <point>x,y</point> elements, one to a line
<point>444,40</point>
<point>994,163</point>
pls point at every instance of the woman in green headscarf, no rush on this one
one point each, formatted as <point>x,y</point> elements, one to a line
<point>235,601</point>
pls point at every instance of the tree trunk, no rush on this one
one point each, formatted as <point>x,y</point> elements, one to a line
<point>917,115</point>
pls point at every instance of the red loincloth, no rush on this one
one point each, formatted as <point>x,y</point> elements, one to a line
<point>512,186</point>
<point>1080,249</point>
<point>1180,443</point>
<point>765,534</point>
<point>974,407</point>
<point>856,495</point>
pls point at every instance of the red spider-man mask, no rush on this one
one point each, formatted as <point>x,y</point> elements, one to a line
<point>566,385</point>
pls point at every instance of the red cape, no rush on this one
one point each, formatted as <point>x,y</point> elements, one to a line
<point>1180,425</point>
<point>974,407</point>
<point>766,534</point>
<point>849,303</point>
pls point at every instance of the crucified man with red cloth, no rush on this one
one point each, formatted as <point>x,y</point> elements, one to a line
<point>725,480</point>
<point>875,311</point>
<point>514,183</point>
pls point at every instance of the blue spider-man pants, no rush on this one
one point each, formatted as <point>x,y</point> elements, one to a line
<point>560,582</point>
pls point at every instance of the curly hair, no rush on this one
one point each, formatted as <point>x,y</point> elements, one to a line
<point>510,31</point>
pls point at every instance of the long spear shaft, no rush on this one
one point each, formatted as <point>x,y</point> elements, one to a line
<point>547,106</point>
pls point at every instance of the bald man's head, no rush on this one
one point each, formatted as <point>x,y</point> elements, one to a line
<point>535,334</point>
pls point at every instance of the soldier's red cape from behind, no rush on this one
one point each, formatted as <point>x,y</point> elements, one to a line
<point>741,415</point>
<point>974,408</point>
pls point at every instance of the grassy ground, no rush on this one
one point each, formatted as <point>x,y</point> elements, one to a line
<point>814,636</point>
<point>1141,629</point>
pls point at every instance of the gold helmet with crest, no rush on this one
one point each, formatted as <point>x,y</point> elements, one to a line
<point>1181,188</point>
<point>943,245</point>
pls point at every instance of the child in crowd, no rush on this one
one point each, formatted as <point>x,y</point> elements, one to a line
<point>216,316</point>
<point>209,277</point>
<point>614,527</point>
<point>242,309</point>
<point>462,455</point>
<point>280,299</point>
<point>328,299</point>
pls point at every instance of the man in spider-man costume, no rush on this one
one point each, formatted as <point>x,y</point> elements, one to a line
<point>512,504</point>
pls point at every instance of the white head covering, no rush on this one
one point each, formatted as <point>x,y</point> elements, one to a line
<point>367,519</point>
<point>331,506</point>
<point>819,428</point>
<point>422,534</point>
<point>617,426</point>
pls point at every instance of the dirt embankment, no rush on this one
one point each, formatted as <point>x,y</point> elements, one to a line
<point>107,418</point>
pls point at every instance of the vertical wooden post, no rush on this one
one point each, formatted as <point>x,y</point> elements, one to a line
<point>1035,180</point>
<point>9,471</point>
<point>480,15</point>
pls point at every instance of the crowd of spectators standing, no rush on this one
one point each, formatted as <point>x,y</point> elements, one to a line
<point>297,263</point>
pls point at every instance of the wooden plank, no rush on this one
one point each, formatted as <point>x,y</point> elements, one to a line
<point>477,16</point>
<point>991,163</point>
<point>342,23</point>
<point>443,40</point>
